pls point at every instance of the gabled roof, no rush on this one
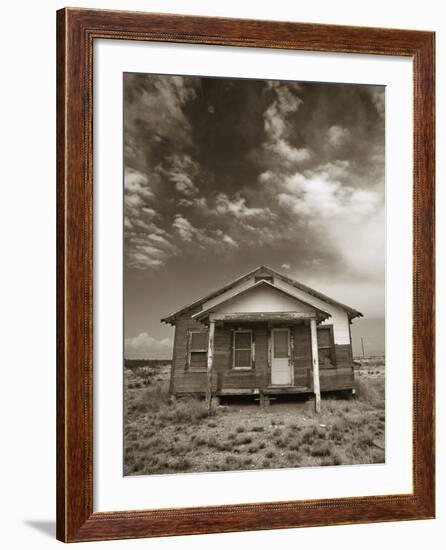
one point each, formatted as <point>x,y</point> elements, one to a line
<point>205,312</point>
<point>262,271</point>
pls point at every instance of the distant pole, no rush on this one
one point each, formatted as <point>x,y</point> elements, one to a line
<point>362,345</point>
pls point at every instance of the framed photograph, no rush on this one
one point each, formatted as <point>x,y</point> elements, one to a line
<point>245,275</point>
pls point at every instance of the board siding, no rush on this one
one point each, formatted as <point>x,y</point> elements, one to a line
<point>225,378</point>
<point>301,355</point>
<point>187,381</point>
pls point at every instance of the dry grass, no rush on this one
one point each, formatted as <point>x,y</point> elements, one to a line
<point>163,436</point>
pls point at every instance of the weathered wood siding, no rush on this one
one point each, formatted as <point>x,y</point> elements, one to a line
<point>301,355</point>
<point>184,381</point>
<point>331,378</point>
<point>341,377</point>
<point>230,378</point>
<point>226,378</point>
<point>344,355</point>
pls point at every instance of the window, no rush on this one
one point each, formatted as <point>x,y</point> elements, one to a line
<point>325,346</point>
<point>198,349</point>
<point>242,349</point>
<point>281,344</point>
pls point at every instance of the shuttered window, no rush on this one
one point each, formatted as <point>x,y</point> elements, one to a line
<point>325,346</point>
<point>198,347</point>
<point>242,349</point>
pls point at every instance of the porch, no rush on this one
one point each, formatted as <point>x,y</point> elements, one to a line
<point>280,350</point>
<point>269,390</point>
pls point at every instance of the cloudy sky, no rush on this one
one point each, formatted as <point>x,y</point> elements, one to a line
<point>223,175</point>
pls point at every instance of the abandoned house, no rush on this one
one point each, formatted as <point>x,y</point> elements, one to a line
<point>262,334</point>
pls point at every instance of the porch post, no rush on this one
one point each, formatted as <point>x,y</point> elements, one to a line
<point>315,356</point>
<point>210,364</point>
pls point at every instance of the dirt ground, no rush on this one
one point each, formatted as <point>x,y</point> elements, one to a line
<point>163,437</point>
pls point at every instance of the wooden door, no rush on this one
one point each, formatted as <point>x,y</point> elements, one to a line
<point>280,357</point>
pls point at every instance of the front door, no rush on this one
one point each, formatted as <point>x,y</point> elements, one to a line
<point>280,357</point>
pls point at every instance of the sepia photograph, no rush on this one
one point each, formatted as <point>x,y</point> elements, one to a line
<point>254,274</point>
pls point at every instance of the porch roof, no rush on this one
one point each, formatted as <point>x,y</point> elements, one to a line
<point>290,317</point>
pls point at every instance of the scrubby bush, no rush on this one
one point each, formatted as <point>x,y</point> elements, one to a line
<point>232,461</point>
<point>365,440</point>
<point>181,465</point>
<point>311,434</point>
<point>321,448</point>
<point>151,399</point>
<point>281,442</point>
<point>188,410</point>
<point>371,391</point>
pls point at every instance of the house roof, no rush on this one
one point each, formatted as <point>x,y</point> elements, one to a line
<point>261,271</point>
<point>200,315</point>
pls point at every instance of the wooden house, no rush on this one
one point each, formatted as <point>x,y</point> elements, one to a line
<point>262,334</point>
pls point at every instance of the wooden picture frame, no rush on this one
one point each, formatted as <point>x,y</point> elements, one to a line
<point>76,31</point>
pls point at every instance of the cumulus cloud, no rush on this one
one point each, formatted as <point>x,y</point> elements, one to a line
<point>350,218</point>
<point>184,184</point>
<point>204,236</point>
<point>147,244</point>
<point>159,164</point>
<point>339,170</point>
<point>288,153</point>
<point>285,101</point>
<point>137,183</point>
<point>155,123</point>
<point>326,200</point>
<point>154,113</point>
<point>184,228</point>
<point>237,207</point>
<point>317,196</point>
<point>378,96</point>
<point>277,125</point>
<point>285,266</point>
<point>181,170</point>
<point>145,346</point>
<point>274,123</point>
<point>137,191</point>
<point>337,136</point>
<point>229,240</point>
<point>197,202</point>
<point>149,248</point>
